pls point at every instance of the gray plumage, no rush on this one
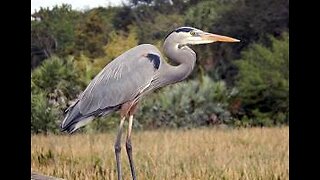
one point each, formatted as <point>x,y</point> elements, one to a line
<point>123,79</point>
<point>135,73</point>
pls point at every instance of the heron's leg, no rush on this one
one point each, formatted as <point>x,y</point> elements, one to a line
<point>129,148</point>
<point>117,147</point>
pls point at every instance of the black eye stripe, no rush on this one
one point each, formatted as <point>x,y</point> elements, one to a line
<point>183,29</point>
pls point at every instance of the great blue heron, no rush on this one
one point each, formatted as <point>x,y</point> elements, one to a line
<point>124,81</point>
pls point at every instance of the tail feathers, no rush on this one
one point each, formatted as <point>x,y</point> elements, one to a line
<point>74,120</point>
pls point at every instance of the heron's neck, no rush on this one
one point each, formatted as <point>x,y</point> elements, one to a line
<point>185,57</point>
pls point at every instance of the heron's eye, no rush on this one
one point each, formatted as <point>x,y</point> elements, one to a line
<point>193,33</point>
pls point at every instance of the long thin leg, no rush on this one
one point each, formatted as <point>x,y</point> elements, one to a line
<point>117,148</point>
<point>129,148</point>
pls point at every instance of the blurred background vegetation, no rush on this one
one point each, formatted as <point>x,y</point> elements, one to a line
<point>240,84</point>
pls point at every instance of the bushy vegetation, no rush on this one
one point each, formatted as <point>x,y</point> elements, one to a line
<point>263,81</point>
<point>53,85</point>
<point>241,84</point>
<point>187,104</point>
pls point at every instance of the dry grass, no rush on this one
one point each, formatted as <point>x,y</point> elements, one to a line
<point>255,153</point>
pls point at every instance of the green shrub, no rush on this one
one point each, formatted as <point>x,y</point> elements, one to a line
<point>186,104</point>
<point>52,85</point>
<point>263,82</point>
<point>43,115</point>
<point>57,74</point>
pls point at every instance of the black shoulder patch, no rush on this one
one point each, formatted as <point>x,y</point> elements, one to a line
<point>155,59</point>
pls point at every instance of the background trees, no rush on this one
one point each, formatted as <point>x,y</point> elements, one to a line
<point>263,81</point>
<point>237,84</point>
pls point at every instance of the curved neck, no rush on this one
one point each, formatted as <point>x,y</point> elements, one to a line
<point>184,56</point>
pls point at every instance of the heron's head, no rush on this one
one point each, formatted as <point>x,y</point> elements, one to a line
<point>190,36</point>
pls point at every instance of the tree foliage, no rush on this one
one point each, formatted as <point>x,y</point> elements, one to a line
<point>242,83</point>
<point>263,80</point>
<point>249,21</point>
<point>57,23</point>
<point>118,43</point>
<point>92,33</point>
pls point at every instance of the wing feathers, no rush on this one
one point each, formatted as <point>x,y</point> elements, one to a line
<point>120,81</point>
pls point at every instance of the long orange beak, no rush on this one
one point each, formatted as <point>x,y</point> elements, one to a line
<point>218,38</point>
